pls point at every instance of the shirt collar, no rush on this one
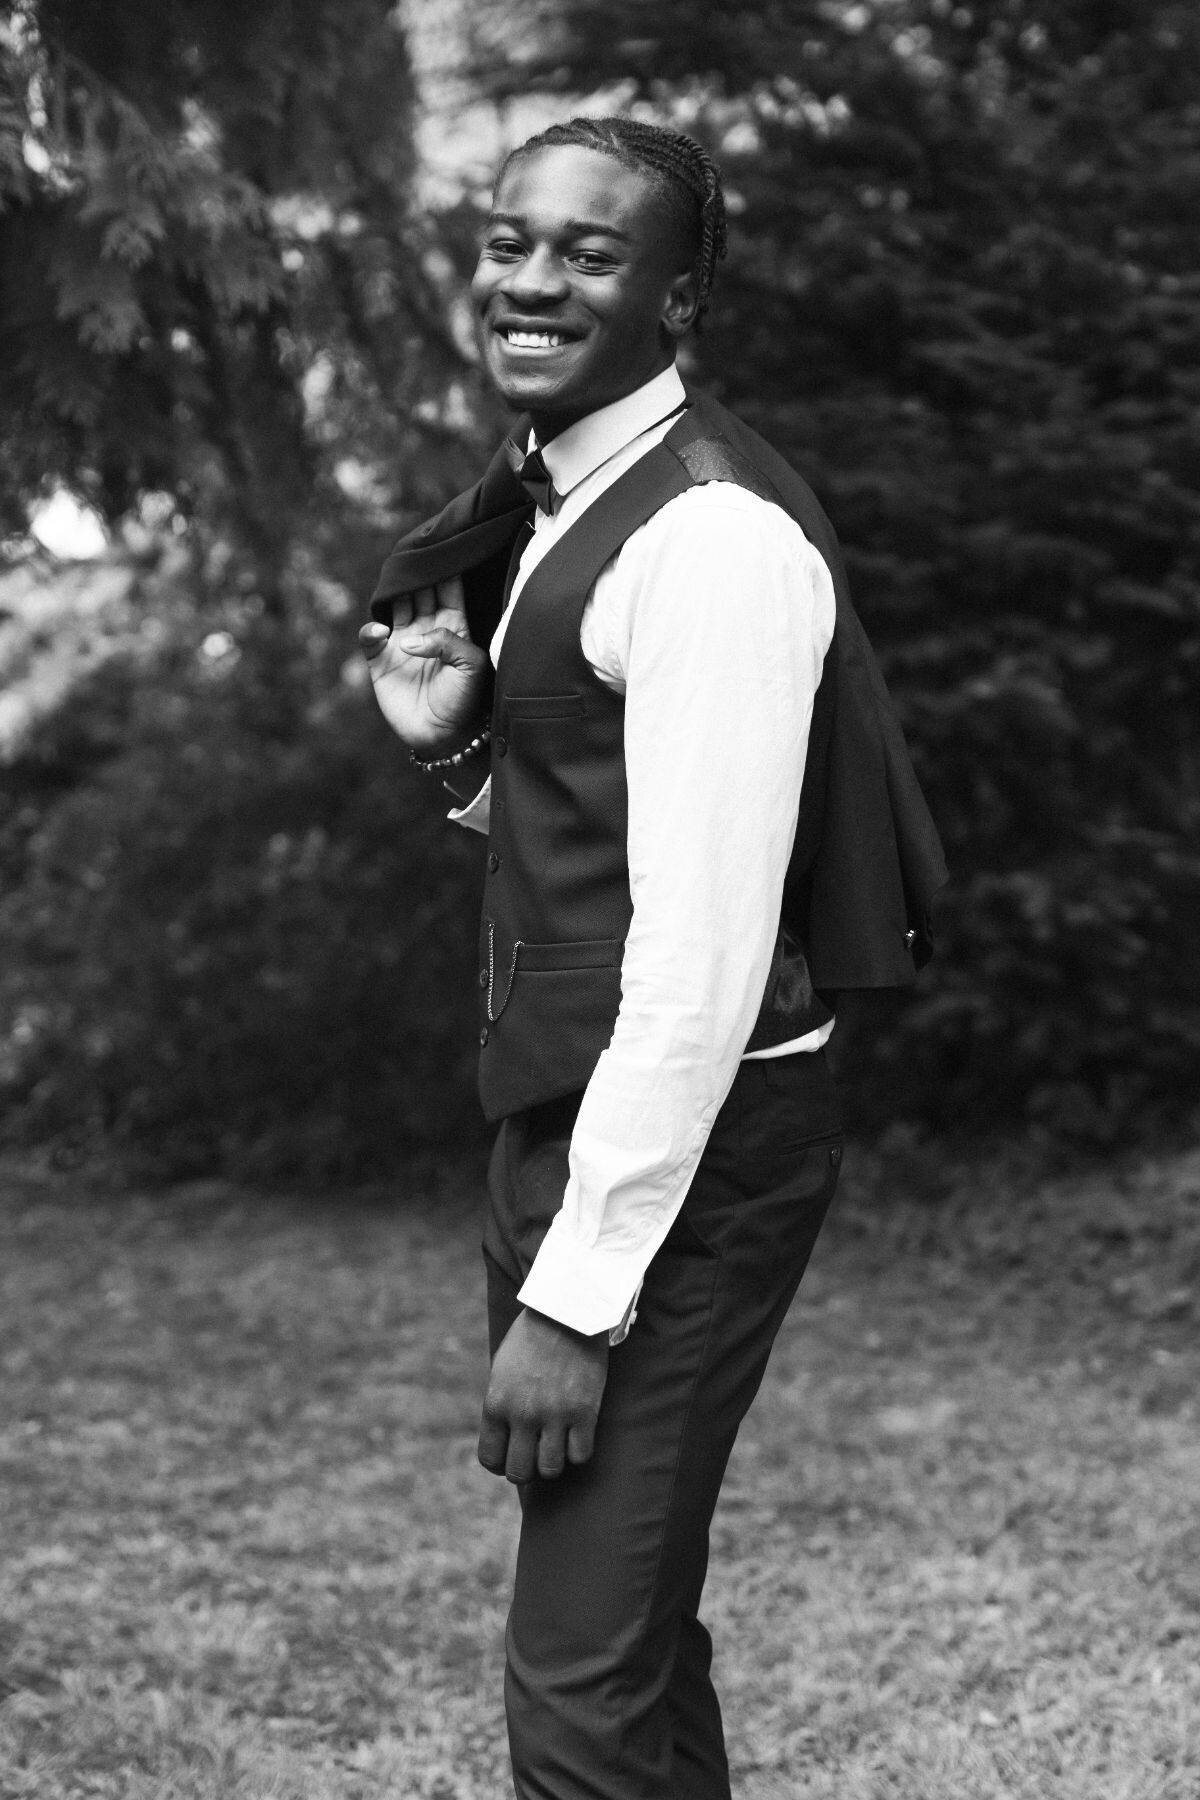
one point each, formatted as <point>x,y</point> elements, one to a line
<point>582,447</point>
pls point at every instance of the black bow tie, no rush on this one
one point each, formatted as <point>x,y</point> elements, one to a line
<point>533,475</point>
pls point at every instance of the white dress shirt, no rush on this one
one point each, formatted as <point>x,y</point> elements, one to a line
<point>713,620</point>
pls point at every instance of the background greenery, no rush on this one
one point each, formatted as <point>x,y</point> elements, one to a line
<point>961,294</point>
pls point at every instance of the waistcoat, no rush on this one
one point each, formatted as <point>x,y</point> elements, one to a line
<point>866,861</point>
<point>557,905</point>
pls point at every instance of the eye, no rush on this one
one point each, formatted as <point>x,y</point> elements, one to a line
<point>503,249</point>
<point>592,262</point>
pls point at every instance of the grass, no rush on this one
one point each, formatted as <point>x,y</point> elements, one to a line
<point>247,1553</point>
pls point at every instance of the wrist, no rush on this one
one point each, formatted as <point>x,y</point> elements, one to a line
<point>446,758</point>
<point>590,1338</point>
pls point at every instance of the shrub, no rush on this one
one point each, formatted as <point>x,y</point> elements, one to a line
<point>239,933</point>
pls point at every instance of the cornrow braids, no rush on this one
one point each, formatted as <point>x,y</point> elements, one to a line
<point>686,176</point>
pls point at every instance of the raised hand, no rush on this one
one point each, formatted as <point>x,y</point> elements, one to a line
<point>428,675</point>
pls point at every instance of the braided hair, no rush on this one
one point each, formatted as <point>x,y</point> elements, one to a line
<point>684,174</point>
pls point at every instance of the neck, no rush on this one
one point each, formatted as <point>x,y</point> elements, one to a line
<point>549,425</point>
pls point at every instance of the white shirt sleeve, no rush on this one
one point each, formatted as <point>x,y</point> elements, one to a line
<point>717,615</point>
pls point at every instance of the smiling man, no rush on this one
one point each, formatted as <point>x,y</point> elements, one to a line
<point>575,298</point>
<point>630,655</point>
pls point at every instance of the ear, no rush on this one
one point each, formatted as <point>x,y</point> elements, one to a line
<point>681,304</point>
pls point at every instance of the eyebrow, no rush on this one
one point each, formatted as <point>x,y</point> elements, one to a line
<point>570,227</point>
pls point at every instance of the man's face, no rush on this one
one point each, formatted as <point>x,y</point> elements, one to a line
<point>582,287</point>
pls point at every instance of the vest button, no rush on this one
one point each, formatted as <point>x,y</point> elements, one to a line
<point>500,745</point>
<point>493,861</point>
<point>910,937</point>
<point>483,1035</point>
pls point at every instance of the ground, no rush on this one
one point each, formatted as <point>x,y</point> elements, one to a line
<point>248,1555</point>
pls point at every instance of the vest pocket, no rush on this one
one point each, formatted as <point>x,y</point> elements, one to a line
<point>586,953</point>
<point>534,959</point>
<point>555,1019</point>
<point>544,706</point>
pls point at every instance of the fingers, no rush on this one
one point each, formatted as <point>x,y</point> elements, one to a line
<point>446,603</point>
<point>436,644</point>
<point>551,1453</point>
<point>520,1464</point>
<point>581,1440</point>
<point>371,640</point>
<point>493,1444</point>
<point>521,1453</point>
<point>451,598</point>
<point>513,1453</point>
<point>433,641</point>
<point>373,636</point>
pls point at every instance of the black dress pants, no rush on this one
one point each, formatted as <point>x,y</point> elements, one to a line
<point>607,1685</point>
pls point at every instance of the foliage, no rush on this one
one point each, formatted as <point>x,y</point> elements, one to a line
<point>221,315</point>
<point>234,937</point>
<point>214,288</point>
<point>961,294</point>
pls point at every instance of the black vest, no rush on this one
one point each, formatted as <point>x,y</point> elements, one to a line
<point>866,863</point>
<point>557,905</point>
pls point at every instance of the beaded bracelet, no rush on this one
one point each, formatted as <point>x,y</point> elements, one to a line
<point>431,765</point>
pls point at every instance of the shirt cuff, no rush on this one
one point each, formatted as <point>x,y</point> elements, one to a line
<point>587,1289</point>
<point>476,815</point>
<point>620,1332</point>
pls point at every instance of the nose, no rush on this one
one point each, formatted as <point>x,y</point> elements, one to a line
<point>538,279</point>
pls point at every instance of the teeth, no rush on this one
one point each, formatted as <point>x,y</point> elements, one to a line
<point>535,340</point>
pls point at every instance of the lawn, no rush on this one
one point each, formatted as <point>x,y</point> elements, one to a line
<point>247,1552</point>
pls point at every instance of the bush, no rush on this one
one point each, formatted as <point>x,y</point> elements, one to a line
<point>238,930</point>
<point>239,933</point>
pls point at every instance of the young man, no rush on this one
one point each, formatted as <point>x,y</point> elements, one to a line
<point>647,686</point>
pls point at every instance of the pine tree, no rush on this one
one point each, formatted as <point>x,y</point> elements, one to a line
<point>961,294</point>
<point>221,312</point>
<point>214,287</point>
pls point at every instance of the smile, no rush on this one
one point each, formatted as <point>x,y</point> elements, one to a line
<point>534,340</point>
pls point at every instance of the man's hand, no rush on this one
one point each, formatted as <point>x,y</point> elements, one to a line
<point>543,1399</point>
<point>428,675</point>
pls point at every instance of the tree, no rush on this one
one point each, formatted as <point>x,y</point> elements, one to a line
<point>221,312</point>
<point>961,295</point>
<point>214,286</point>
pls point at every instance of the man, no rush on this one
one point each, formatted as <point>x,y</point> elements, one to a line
<point>651,692</point>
